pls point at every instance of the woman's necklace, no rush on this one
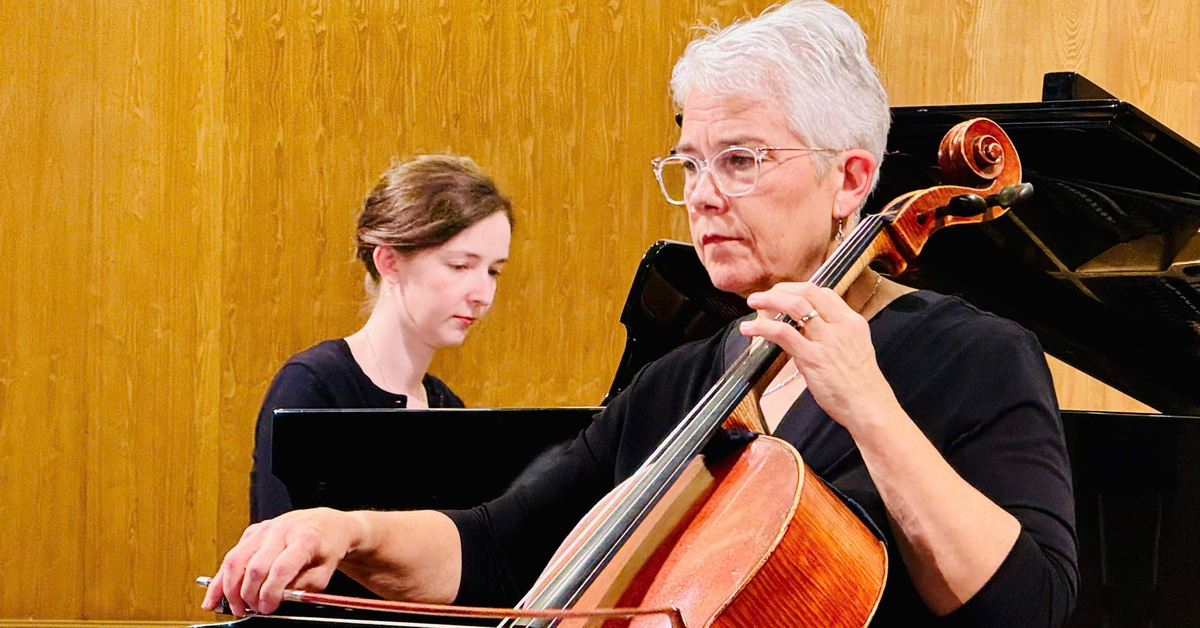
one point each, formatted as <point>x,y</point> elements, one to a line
<point>387,386</point>
<point>378,364</point>
<point>793,376</point>
<point>874,291</point>
<point>781,384</point>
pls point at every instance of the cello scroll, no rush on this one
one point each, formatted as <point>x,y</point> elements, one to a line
<point>984,176</point>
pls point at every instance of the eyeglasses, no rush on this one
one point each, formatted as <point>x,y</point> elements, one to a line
<point>734,171</point>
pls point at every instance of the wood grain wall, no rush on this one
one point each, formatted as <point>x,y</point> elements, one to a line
<point>178,183</point>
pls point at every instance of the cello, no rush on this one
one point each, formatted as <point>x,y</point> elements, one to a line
<point>755,538</point>
<point>772,545</point>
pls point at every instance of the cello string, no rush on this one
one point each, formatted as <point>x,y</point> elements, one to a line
<point>685,440</point>
<point>840,262</point>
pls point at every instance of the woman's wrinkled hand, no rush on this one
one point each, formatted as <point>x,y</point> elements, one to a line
<point>297,550</point>
<point>832,349</point>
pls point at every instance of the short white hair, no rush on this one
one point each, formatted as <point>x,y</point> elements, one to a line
<point>810,57</point>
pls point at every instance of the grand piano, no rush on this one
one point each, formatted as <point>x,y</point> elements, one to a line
<point>1103,264</point>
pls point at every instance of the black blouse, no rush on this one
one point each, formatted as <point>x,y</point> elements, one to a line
<point>323,376</point>
<point>977,386</point>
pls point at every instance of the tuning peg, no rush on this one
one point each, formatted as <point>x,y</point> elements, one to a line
<point>1015,194</point>
<point>964,205</point>
<point>968,205</point>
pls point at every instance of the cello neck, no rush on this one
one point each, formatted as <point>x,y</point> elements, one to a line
<point>578,569</point>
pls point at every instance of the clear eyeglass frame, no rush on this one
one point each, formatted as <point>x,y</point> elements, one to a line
<point>722,167</point>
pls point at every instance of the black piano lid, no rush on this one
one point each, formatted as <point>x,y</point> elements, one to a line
<point>1104,263</point>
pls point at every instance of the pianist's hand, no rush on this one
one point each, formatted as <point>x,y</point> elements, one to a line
<point>297,550</point>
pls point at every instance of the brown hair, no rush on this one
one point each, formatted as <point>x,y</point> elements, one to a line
<point>423,203</point>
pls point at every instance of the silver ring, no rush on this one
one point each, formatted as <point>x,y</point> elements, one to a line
<point>807,317</point>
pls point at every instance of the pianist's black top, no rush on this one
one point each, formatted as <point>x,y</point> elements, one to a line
<point>322,376</point>
<point>977,385</point>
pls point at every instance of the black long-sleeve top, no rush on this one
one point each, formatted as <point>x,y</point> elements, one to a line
<point>323,376</point>
<point>977,386</point>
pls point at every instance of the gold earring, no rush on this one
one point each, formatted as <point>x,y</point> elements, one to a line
<point>840,236</point>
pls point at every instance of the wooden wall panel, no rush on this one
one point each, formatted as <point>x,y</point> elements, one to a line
<point>46,236</point>
<point>320,97</point>
<point>931,52</point>
<point>153,304</point>
<point>179,186</point>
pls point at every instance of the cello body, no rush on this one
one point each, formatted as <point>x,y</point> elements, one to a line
<point>772,544</point>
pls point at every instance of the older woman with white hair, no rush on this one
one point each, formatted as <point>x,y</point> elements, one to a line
<point>938,419</point>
